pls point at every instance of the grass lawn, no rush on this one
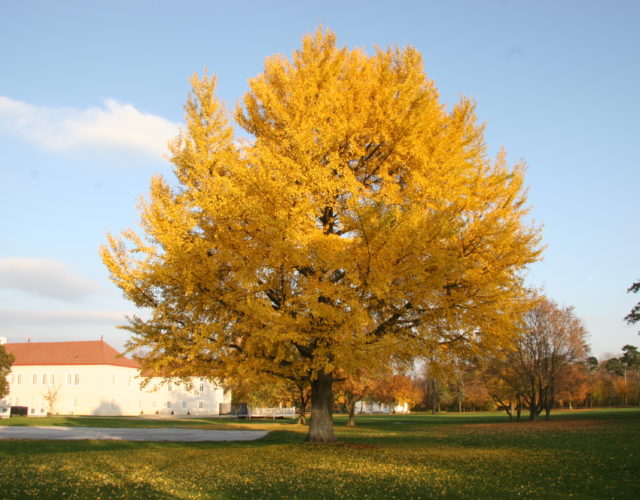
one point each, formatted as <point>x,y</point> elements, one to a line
<point>583,454</point>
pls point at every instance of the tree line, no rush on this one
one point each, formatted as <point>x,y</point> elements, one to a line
<point>546,366</point>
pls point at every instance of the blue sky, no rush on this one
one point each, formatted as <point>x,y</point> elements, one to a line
<point>90,92</point>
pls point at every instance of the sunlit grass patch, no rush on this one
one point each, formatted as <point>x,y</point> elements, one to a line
<point>440,456</point>
<point>539,426</point>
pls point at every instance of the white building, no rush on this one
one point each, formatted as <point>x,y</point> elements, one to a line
<point>376,407</point>
<point>92,378</point>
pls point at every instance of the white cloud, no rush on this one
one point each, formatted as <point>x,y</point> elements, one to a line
<point>11,318</point>
<point>112,126</point>
<point>46,278</point>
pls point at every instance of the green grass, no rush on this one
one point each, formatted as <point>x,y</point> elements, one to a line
<point>583,454</point>
<point>204,423</point>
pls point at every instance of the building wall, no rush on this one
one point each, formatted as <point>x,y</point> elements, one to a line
<point>202,398</point>
<point>375,407</point>
<point>108,390</point>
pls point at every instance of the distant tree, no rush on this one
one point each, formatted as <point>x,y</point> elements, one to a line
<point>358,386</point>
<point>623,389</point>
<point>551,339</point>
<point>503,384</point>
<point>631,361</point>
<point>615,366</point>
<point>630,357</point>
<point>448,377</point>
<point>444,378</point>
<point>6,359</point>
<point>397,390</point>
<point>619,378</point>
<point>572,384</point>
<point>301,391</point>
<point>592,363</point>
<point>256,392</point>
<point>601,390</point>
<point>269,391</point>
<point>51,396</point>
<point>634,316</point>
<point>476,391</point>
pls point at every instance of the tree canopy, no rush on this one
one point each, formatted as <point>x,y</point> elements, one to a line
<point>361,219</point>
<point>550,340</point>
<point>634,316</point>
<point>6,359</point>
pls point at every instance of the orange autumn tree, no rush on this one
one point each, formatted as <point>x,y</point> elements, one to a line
<point>573,384</point>
<point>361,219</point>
<point>397,390</point>
<point>358,386</point>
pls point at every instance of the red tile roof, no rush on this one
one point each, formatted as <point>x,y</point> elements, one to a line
<point>91,352</point>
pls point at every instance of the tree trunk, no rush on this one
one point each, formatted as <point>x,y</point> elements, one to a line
<point>549,398</point>
<point>533,408</point>
<point>350,403</point>
<point>518,408</point>
<point>352,416</point>
<point>302,407</point>
<point>321,425</point>
<point>434,396</point>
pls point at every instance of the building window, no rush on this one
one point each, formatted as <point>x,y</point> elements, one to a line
<point>44,379</point>
<point>184,405</point>
<point>13,378</point>
<point>19,380</point>
<point>201,404</point>
<point>77,379</point>
<point>75,402</point>
<point>113,404</point>
<point>35,380</point>
<point>153,404</point>
<point>168,404</point>
<point>69,379</point>
<point>113,379</point>
<point>201,386</point>
<point>52,379</point>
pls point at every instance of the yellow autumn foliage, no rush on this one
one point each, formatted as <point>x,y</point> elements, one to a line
<point>360,220</point>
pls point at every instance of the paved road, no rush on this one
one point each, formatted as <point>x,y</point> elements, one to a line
<point>126,434</point>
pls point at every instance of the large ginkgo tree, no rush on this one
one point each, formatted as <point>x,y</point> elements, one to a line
<point>359,220</point>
